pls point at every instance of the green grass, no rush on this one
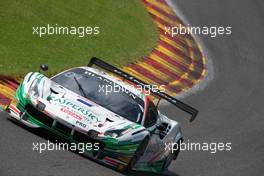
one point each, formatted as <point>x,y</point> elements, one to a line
<point>127,33</point>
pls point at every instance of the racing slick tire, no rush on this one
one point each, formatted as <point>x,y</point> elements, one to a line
<point>172,156</point>
<point>139,152</point>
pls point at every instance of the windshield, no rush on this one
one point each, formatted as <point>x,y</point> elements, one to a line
<point>96,88</point>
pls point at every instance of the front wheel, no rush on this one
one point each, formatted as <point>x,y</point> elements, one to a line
<point>139,152</point>
<point>172,156</point>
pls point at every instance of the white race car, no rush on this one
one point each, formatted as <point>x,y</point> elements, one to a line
<point>124,127</point>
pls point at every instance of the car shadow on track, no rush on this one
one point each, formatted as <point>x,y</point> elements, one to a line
<point>137,173</point>
<point>45,134</point>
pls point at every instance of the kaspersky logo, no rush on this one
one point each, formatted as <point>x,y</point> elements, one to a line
<point>69,104</point>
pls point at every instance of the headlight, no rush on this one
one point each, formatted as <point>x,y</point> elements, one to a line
<point>34,91</point>
<point>114,133</point>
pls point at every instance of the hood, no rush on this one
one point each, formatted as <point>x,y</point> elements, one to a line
<point>65,105</point>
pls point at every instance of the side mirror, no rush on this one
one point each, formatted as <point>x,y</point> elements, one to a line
<point>43,67</point>
<point>162,127</point>
<point>162,130</point>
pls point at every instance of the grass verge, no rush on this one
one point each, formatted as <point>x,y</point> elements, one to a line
<point>127,33</point>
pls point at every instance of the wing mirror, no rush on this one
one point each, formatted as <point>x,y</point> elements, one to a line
<point>43,68</point>
<point>162,127</point>
<point>162,130</point>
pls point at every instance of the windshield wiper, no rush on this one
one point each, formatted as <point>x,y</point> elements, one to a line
<point>80,87</point>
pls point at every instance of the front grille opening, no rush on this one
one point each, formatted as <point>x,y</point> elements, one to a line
<point>80,137</point>
<point>40,116</point>
<point>63,128</point>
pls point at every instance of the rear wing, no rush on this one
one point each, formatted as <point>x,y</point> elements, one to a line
<point>102,64</point>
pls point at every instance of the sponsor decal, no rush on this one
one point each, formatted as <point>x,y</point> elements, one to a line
<point>80,124</point>
<point>70,113</point>
<point>85,102</point>
<point>69,104</point>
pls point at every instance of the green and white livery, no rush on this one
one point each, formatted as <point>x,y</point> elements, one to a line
<point>87,105</point>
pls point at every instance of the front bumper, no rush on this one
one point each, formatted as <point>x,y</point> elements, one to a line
<point>110,152</point>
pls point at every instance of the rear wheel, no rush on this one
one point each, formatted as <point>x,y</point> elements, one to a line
<point>139,152</point>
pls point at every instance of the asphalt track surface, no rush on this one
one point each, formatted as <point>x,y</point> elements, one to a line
<point>231,106</point>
